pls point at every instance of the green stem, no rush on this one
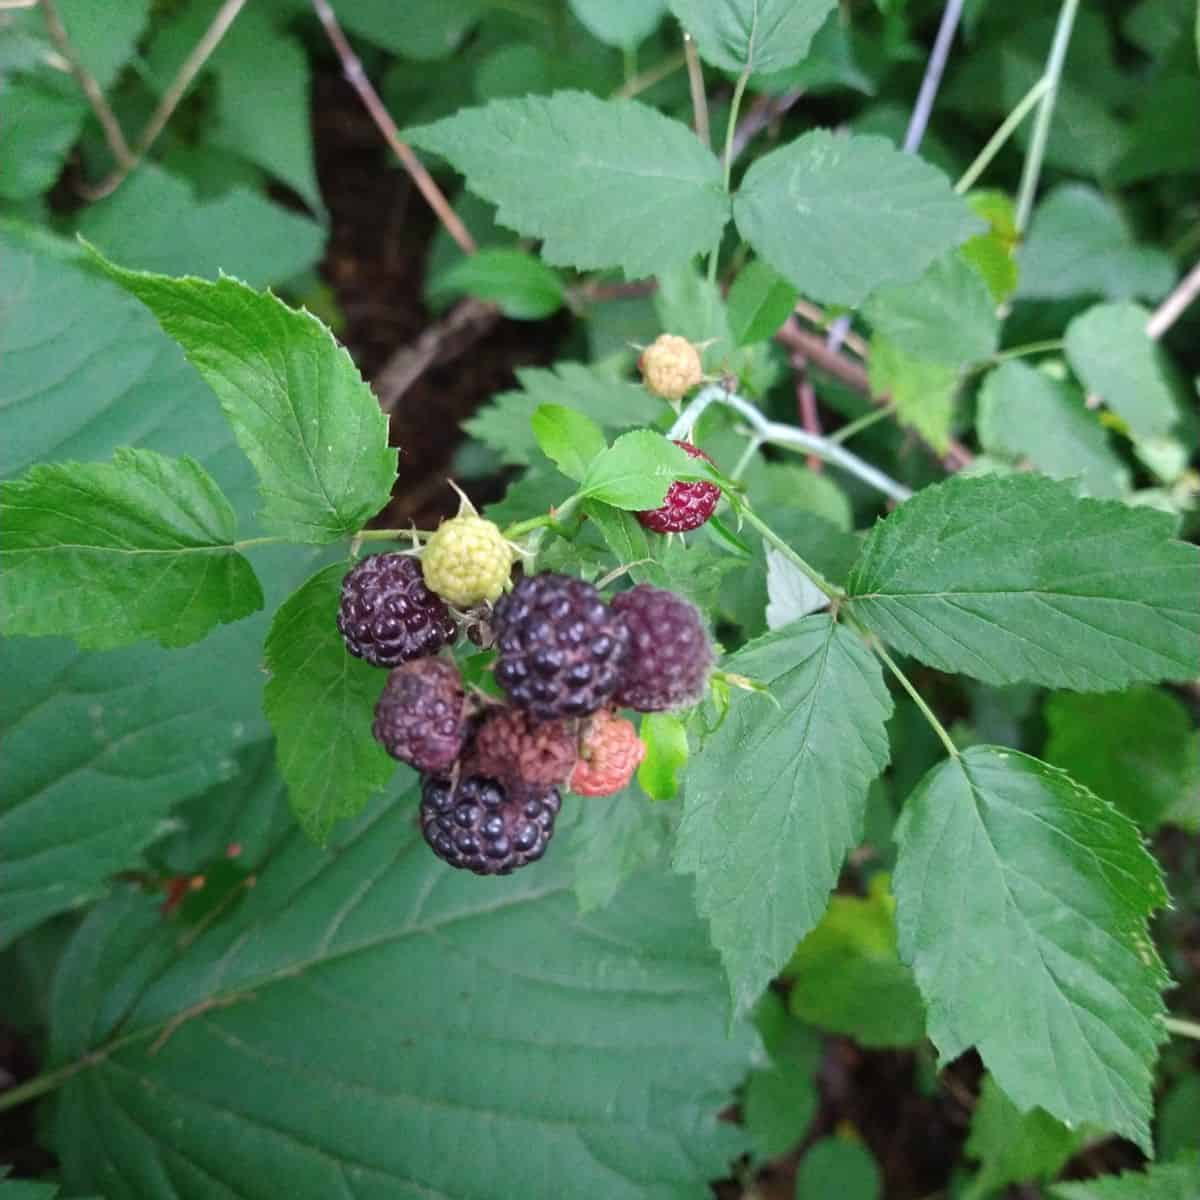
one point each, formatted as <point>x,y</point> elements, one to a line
<point>1042,347</point>
<point>998,139</point>
<point>752,448</point>
<point>1187,1029</point>
<point>735,105</point>
<point>907,685</point>
<point>1041,128</point>
<point>392,535</point>
<point>830,589</point>
<point>550,520</point>
<point>864,422</point>
<point>629,62</point>
<point>650,76</point>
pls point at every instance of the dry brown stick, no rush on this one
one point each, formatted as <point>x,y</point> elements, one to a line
<point>352,68</point>
<point>171,97</point>
<point>114,135</point>
<point>696,84</point>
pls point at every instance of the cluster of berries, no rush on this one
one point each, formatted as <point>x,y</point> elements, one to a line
<point>566,660</point>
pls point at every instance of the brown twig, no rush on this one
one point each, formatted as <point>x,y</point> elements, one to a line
<point>696,84</point>
<point>814,316</point>
<point>192,66</point>
<point>113,133</point>
<point>1174,306</point>
<point>806,405</point>
<point>352,68</point>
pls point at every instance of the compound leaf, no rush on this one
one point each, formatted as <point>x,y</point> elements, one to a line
<point>838,216</point>
<point>776,796</point>
<point>1022,902</point>
<point>297,404</point>
<point>1162,1181</point>
<point>1015,579</point>
<point>753,35</point>
<point>111,553</point>
<point>652,193</point>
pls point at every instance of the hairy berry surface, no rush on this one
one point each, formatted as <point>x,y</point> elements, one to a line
<point>687,505</point>
<point>485,825</point>
<point>387,615</point>
<point>609,753</point>
<point>670,655</point>
<point>421,715</point>
<point>467,560</point>
<point>561,647</point>
<point>511,744</point>
<point>671,366</point>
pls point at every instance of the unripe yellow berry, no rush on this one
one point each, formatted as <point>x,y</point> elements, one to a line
<point>466,561</point>
<point>671,366</point>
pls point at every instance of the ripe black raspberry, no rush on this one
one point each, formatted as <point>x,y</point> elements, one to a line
<point>511,744</point>
<point>670,655</point>
<point>486,826</point>
<point>387,615</point>
<point>421,716</point>
<point>561,648</point>
<point>687,505</point>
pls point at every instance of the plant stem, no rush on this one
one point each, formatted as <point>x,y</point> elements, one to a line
<point>392,535</point>
<point>696,86</point>
<point>739,90</point>
<point>830,589</point>
<point>907,685</point>
<point>650,76</point>
<point>1045,113</point>
<point>934,69</point>
<point>752,448</point>
<point>1173,307</point>
<point>864,422</point>
<point>998,139</point>
<point>548,520</point>
<point>1042,347</point>
<point>1182,1028</point>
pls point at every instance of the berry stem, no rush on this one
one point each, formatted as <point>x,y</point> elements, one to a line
<point>914,695</point>
<point>830,589</point>
<point>848,430</point>
<point>551,520</point>
<point>1182,1028</point>
<point>391,535</point>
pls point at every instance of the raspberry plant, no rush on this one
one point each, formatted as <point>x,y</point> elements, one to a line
<point>769,739</point>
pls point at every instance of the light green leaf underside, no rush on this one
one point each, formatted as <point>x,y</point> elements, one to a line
<point>775,798</point>
<point>1022,902</point>
<point>298,406</point>
<point>1013,579</point>
<point>370,1022</point>
<point>651,191</point>
<point>112,553</point>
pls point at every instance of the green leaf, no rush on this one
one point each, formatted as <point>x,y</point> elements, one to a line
<point>1113,355</point>
<point>651,191</point>
<point>848,978</point>
<point>614,838</point>
<point>666,755</point>
<point>1012,1146</point>
<point>636,471</point>
<point>759,302</point>
<point>837,1167</point>
<point>523,287</point>
<point>268,1055</point>
<point>627,538</point>
<point>422,30</point>
<point>838,216</point>
<point>754,35</point>
<point>947,316</point>
<point>154,223</point>
<point>779,1105</point>
<point>1177,1129</point>
<point>776,796</point>
<point>568,438</point>
<point>923,392</point>
<point>1136,749</point>
<point>320,702</point>
<point>612,403</point>
<point>1022,902</point>
<point>1014,579</point>
<point>992,253</point>
<point>1079,244</point>
<point>297,404</point>
<point>1026,416</point>
<point>620,23</point>
<point>109,554</point>
<point>1161,1181</point>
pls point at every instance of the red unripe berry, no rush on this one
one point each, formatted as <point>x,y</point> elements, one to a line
<point>687,505</point>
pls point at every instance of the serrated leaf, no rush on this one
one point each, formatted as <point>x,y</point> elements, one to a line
<point>112,553</point>
<point>847,978</point>
<point>754,35</point>
<point>1111,352</point>
<point>1014,579</point>
<point>614,838</point>
<point>1136,749</point>
<point>568,438</point>
<point>1022,902</point>
<point>666,744</point>
<point>297,404</point>
<point>626,537</point>
<point>612,403</point>
<point>1160,1181</point>
<point>758,303</point>
<point>776,796</point>
<point>652,192</point>
<point>620,23</point>
<point>522,286</point>
<point>255,1048</point>
<point>1025,415</point>
<point>839,216</point>
<point>923,392</point>
<point>1012,1146</point>
<point>636,471</point>
<point>946,316</point>
<point>1079,245</point>
<point>320,702</point>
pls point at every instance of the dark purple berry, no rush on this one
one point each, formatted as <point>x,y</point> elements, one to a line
<point>421,716</point>
<point>687,505</point>
<point>670,656</point>
<point>561,647</point>
<point>483,825</point>
<point>387,615</point>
